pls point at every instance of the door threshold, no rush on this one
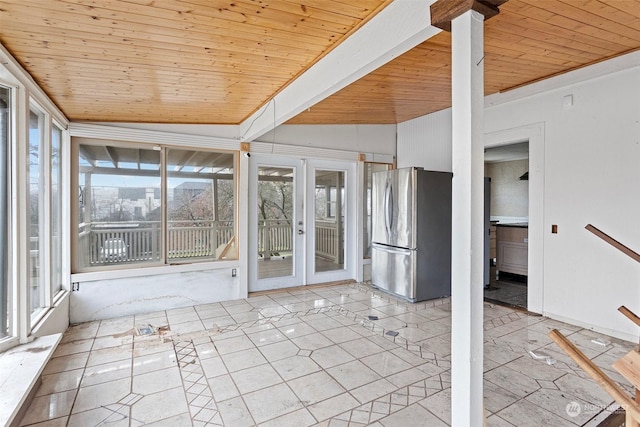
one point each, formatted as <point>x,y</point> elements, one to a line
<point>302,288</point>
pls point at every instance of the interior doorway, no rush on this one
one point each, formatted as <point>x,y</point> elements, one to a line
<point>507,202</point>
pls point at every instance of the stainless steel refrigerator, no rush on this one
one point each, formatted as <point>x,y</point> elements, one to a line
<point>411,233</point>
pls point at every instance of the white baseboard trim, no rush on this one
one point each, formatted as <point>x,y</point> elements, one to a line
<point>606,331</point>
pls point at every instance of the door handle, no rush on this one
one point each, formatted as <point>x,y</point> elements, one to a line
<point>300,231</point>
<point>388,207</point>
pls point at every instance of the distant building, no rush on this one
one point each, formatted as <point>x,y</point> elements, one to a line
<point>190,190</point>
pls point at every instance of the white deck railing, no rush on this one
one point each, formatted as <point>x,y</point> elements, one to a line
<point>186,239</point>
<point>327,240</point>
<point>274,237</point>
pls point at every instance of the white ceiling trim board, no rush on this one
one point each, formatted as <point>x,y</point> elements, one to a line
<point>315,153</point>
<point>399,27</point>
<point>151,136</point>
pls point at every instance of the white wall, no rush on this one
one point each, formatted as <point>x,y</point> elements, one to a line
<point>509,194</point>
<point>591,163</point>
<point>56,320</point>
<point>218,131</point>
<point>108,298</point>
<point>380,139</point>
<point>426,142</point>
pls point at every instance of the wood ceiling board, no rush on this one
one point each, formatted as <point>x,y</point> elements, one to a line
<point>365,101</point>
<point>190,61</point>
<point>353,8</point>
<point>528,41</point>
<point>239,55</point>
<point>588,25</point>
<point>179,16</point>
<point>104,37</point>
<point>209,31</point>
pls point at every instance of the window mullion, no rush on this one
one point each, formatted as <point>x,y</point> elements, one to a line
<point>164,203</point>
<point>45,205</point>
<point>7,303</point>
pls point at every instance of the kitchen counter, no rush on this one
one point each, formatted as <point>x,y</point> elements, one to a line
<point>514,224</point>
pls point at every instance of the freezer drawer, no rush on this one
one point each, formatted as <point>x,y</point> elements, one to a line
<point>409,273</point>
<point>393,270</point>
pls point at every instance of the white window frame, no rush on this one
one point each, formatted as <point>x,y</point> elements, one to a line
<point>52,291</point>
<point>24,94</point>
<point>123,270</point>
<point>12,304</point>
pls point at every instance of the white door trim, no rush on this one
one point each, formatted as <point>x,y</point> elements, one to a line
<point>534,133</point>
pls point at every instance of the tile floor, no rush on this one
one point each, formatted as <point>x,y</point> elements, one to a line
<point>507,292</point>
<point>313,357</point>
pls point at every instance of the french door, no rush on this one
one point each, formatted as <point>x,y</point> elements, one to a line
<point>301,222</point>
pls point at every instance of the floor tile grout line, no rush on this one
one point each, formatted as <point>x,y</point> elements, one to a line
<point>505,319</point>
<point>340,311</point>
<point>192,352</point>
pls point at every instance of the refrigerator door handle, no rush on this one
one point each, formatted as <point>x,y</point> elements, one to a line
<point>383,248</point>
<point>388,207</point>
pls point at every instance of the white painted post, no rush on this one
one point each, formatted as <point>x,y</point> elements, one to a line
<point>467,220</point>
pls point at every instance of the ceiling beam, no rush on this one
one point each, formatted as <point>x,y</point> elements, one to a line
<point>113,156</point>
<point>152,173</point>
<point>396,29</point>
<point>445,11</point>
<point>87,155</point>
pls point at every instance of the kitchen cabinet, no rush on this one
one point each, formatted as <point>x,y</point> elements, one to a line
<point>512,248</point>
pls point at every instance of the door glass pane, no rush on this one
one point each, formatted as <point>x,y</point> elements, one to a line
<point>36,209</point>
<point>200,211</point>
<point>329,220</point>
<point>5,103</point>
<point>120,209</point>
<point>275,222</point>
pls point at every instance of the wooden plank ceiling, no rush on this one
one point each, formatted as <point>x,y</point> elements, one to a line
<point>210,61</point>
<point>529,40</point>
<point>172,61</point>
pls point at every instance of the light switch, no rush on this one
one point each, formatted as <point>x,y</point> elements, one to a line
<point>554,229</point>
<point>567,102</point>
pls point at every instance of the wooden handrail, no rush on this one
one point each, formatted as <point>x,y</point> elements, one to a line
<point>631,407</point>
<point>635,319</point>
<point>227,248</point>
<point>629,314</point>
<point>613,242</point>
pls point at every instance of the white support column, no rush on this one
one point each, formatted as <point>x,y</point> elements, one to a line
<point>242,239</point>
<point>467,222</point>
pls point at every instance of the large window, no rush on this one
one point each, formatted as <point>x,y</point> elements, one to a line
<point>45,211</point>
<point>33,207</point>
<point>36,210</point>
<point>142,205</point>
<point>5,129</point>
<point>56,209</point>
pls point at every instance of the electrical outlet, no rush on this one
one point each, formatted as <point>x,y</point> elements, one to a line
<point>234,272</point>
